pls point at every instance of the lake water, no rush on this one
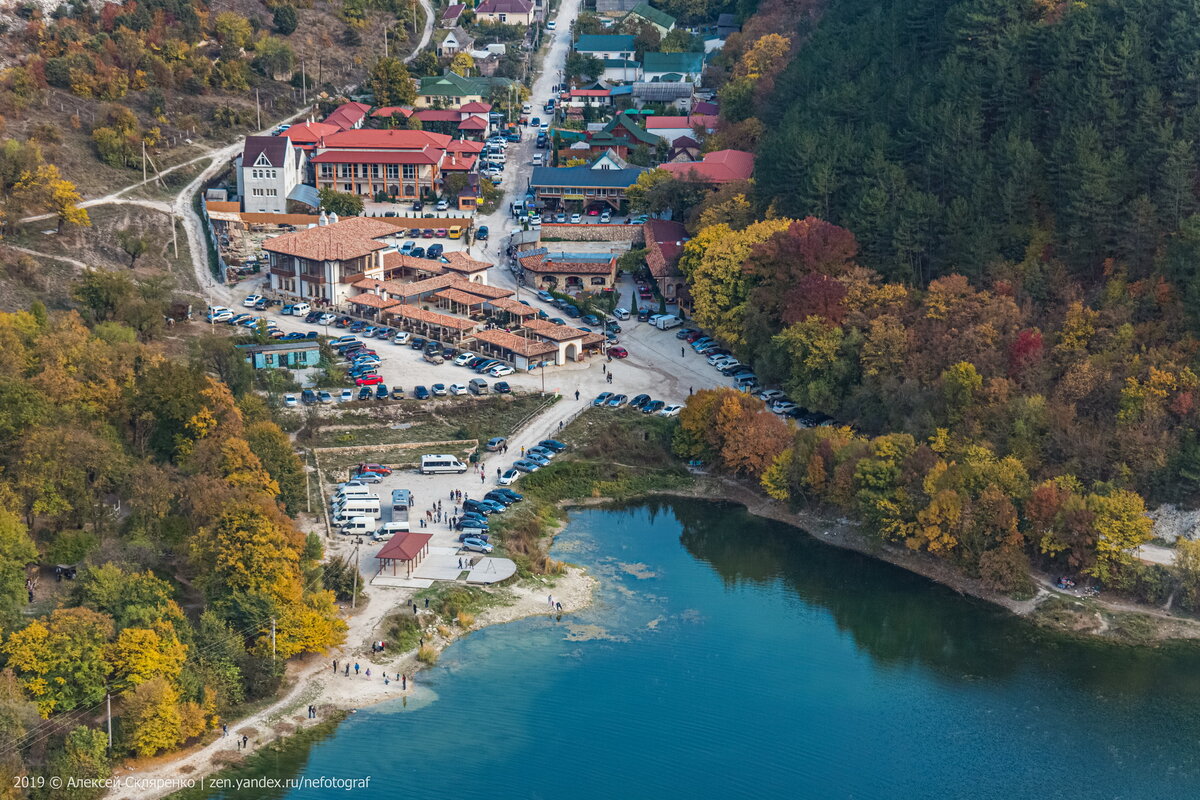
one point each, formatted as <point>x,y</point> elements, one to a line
<point>729,656</point>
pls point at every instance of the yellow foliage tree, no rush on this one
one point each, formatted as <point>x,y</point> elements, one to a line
<point>151,718</point>
<point>139,654</point>
<point>1121,527</point>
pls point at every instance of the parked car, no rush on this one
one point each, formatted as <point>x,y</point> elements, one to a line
<point>618,352</point>
<point>368,380</point>
<point>252,300</point>
<point>397,393</point>
<point>545,296</point>
<point>290,401</point>
<point>496,443</point>
<point>540,451</point>
<point>500,371</point>
<point>401,338</point>
<point>477,545</point>
<point>576,219</point>
<point>509,477</point>
<point>653,407</point>
<point>541,461</point>
<point>509,493</point>
<point>438,389</point>
<point>326,319</point>
<point>502,387</point>
<point>421,393</point>
<point>524,465</point>
<point>381,392</point>
<point>308,397</point>
<point>552,444</point>
<point>442,205</point>
<point>368,477</point>
<point>346,396</point>
<point>418,252</point>
<point>671,411</point>
<point>365,393</point>
<point>602,398</point>
<point>640,401</point>
<point>616,401</point>
<point>482,233</point>
<point>463,357</point>
<point>312,316</point>
<point>457,389</point>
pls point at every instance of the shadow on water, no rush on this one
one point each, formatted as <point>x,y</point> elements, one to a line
<point>903,619</point>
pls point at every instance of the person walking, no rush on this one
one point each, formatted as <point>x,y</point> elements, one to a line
<point>497,473</point>
<point>522,451</point>
<point>347,672</point>
<point>681,351</point>
<point>576,394</point>
<point>356,668</point>
<point>335,666</point>
<point>404,682</point>
<point>482,479</point>
<point>427,602</point>
<point>245,742</point>
<point>224,729</point>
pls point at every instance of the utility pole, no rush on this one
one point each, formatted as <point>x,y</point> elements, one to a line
<point>385,52</point>
<point>143,160</point>
<point>272,640</point>
<point>354,594</point>
<point>108,703</point>
<point>257,109</point>
<point>303,84</point>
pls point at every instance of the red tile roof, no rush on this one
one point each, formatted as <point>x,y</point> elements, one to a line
<point>394,260</point>
<point>554,331</point>
<point>472,124</point>
<point>310,132</point>
<point>663,246</point>
<point>430,317</point>
<point>539,263</point>
<point>416,288</point>
<point>385,139</point>
<point>464,146</point>
<point>514,307</point>
<point>347,115</point>
<point>348,238</point>
<point>437,115</point>
<point>504,7</point>
<point>372,300</point>
<point>475,107</point>
<point>456,162</point>
<point>481,289</point>
<point>453,11</point>
<point>516,344</point>
<point>590,92</point>
<point>460,297</point>
<point>458,261</point>
<point>720,166</point>
<point>704,120</point>
<point>405,546</point>
<point>388,111</point>
<point>428,155</point>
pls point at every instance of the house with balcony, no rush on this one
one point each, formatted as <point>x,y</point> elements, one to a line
<point>569,272</point>
<point>399,163</point>
<point>319,264</point>
<point>603,182</point>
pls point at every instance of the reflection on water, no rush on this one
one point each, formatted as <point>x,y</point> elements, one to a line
<point>755,662</point>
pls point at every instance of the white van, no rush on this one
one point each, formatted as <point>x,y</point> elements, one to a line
<point>354,525</point>
<point>351,491</point>
<point>300,309</point>
<point>667,321</point>
<point>358,507</point>
<point>389,529</point>
<point>431,465</point>
<point>537,159</point>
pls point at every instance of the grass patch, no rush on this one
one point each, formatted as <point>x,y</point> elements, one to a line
<point>403,631</point>
<point>427,655</point>
<point>1133,628</point>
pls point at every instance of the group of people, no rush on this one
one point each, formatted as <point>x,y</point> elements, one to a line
<point>358,671</point>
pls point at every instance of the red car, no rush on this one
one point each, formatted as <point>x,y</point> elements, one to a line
<point>618,352</point>
<point>376,468</point>
<point>368,380</point>
<point>427,233</point>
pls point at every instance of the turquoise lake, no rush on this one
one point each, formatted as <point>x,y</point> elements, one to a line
<point>728,656</point>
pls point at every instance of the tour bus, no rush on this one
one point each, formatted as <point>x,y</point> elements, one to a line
<point>431,465</point>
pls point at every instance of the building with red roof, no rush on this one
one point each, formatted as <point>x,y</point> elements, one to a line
<point>719,166</point>
<point>404,553</point>
<point>671,128</point>
<point>399,163</point>
<point>664,246</point>
<point>306,135</point>
<point>348,116</point>
<point>505,12</point>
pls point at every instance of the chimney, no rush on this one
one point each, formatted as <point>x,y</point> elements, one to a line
<point>323,220</point>
<point>333,218</point>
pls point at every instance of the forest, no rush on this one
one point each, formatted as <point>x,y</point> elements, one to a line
<point>174,487</point>
<point>972,238</point>
<point>955,136</point>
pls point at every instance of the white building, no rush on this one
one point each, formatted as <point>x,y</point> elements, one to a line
<point>268,172</point>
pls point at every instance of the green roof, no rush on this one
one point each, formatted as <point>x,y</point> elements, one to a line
<point>605,43</point>
<point>451,84</point>
<point>624,127</point>
<point>652,14</point>
<point>683,63</point>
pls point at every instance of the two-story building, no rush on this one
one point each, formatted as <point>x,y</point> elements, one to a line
<point>322,262</point>
<point>451,90</point>
<point>269,171</point>
<point>506,12</point>
<point>606,46</point>
<point>400,163</point>
<point>719,166</point>
<point>569,272</point>
<point>603,182</point>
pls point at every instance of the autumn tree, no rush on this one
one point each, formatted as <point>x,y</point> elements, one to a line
<point>60,659</point>
<point>133,243</point>
<point>391,83</point>
<point>17,551</point>
<point>150,717</point>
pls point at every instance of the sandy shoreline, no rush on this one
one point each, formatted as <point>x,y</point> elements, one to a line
<point>312,681</point>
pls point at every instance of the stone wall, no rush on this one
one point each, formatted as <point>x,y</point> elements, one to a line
<point>566,232</point>
<point>1171,523</point>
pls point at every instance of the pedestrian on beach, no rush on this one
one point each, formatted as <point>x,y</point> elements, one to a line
<point>356,668</point>
<point>576,394</point>
<point>239,744</point>
<point>482,479</point>
<point>557,606</point>
<point>368,672</point>
<point>689,391</point>
<point>335,665</point>
<point>550,600</point>
<point>404,682</point>
<point>245,742</point>
<point>347,672</point>
<point>385,679</point>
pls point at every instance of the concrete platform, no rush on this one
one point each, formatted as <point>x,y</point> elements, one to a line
<point>440,565</point>
<point>491,570</point>
<point>400,583</point>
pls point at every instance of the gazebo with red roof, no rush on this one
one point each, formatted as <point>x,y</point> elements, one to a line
<point>404,552</point>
